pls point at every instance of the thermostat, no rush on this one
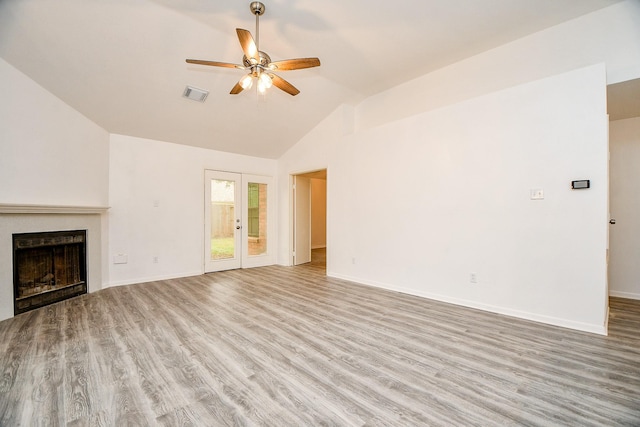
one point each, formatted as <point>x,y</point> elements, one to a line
<point>579,185</point>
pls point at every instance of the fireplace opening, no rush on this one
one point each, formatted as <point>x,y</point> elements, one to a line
<point>48,267</point>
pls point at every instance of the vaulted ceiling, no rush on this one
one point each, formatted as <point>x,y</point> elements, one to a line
<point>121,63</point>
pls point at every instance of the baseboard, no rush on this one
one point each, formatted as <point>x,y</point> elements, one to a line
<point>628,295</point>
<point>150,279</point>
<point>549,320</point>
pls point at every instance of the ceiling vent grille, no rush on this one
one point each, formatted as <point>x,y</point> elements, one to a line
<point>195,94</point>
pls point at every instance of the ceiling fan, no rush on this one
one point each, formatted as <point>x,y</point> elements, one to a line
<point>258,63</point>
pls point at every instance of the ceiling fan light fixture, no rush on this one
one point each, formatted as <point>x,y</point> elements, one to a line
<point>246,81</point>
<point>261,87</point>
<point>265,80</point>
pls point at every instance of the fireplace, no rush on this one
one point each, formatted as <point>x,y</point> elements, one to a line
<point>48,267</point>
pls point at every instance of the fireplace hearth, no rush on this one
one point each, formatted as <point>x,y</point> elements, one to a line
<point>48,267</point>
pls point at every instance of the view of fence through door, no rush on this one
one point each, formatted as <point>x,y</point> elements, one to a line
<point>223,232</point>
<point>237,213</point>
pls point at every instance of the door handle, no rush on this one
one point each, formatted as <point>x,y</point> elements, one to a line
<point>612,221</point>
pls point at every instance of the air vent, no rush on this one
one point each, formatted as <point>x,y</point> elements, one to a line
<point>195,94</point>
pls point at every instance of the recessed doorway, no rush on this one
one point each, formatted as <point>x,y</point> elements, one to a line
<point>309,218</point>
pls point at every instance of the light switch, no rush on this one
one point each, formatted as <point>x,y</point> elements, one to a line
<point>536,193</point>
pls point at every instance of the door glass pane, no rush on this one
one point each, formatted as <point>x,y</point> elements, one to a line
<point>257,219</point>
<point>222,219</point>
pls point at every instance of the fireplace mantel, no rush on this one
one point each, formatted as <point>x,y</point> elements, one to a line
<point>6,208</point>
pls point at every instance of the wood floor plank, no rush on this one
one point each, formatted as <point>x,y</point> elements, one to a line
<point>17,365</point>
<point>47,372</point>
<point>290,346</point>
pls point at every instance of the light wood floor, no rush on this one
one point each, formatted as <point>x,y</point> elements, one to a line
<point>285,346</point>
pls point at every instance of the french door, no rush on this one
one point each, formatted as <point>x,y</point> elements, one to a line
<point>238,215</point>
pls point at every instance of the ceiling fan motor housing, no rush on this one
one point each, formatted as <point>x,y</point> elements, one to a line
<point>265,60</point>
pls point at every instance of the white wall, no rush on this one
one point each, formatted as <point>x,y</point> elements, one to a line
<point>624,257</point>
<point>318,213</point>
<point>419,204</point>
<point>49,153</point>
<point>445,194</point>
<point>157,205</point>
<point>610,35</point>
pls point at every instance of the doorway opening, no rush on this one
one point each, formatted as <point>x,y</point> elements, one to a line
<point>309,218</point>
<point>623,108</point>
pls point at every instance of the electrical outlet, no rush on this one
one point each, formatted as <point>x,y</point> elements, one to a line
<point>536,194</point>
<point>473,278</point>
<point>155,259</point>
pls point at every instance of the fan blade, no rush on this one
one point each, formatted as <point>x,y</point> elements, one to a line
<point>248,45</point>
<point>214,63</point>
<point>294,64</point>
<point>236,89</point>
<point>281,83</point>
